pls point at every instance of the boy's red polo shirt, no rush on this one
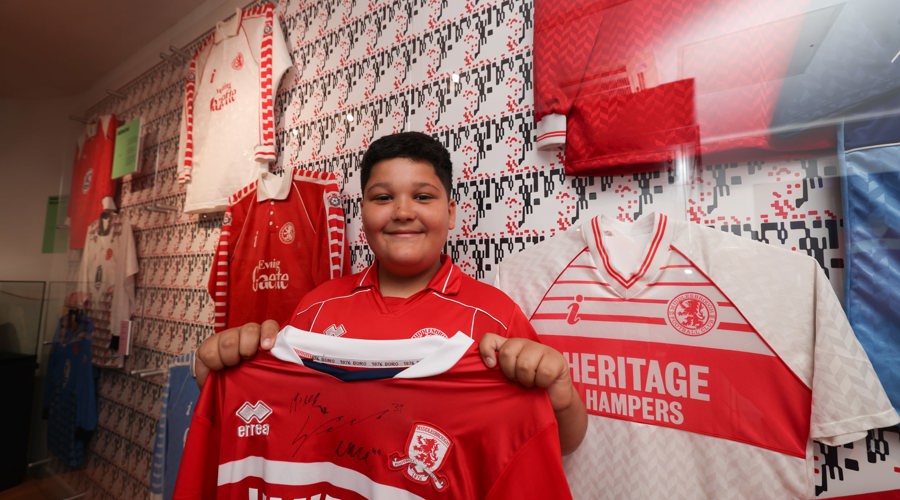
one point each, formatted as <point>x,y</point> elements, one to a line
<point>352,306</point>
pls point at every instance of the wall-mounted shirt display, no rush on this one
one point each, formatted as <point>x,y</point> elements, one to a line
<point>178,402</point>
<point>228,123</point>
<point>91,177</point>
<point>108,267</point>
<point>70,400</point>
<point>868,155</point>
<point>708,362</point>
<point>281,237</point>
<point>465,72</point>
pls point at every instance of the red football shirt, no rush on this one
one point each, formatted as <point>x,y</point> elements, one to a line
<point>278,242</point>
<point>644,81</point>
<point>274,427</point>
<point>91,177</point>
<point>353,306</point>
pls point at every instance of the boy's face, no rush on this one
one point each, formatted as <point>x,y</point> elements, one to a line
<point>406,215</point>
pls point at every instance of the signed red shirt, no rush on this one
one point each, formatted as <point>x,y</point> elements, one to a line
<point>283,428</point>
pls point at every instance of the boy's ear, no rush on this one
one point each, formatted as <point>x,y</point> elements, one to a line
<point>452,210</point>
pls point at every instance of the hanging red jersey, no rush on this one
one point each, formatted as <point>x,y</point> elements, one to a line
<point>91,177</point>
<point>645,81</point>
<point>281,237</point>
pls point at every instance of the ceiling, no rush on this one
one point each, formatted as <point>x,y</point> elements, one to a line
<point>60,49</point>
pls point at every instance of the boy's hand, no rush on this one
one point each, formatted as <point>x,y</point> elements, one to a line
<point>230,347</point>
<point>533,364</point>
<point>530,364</point>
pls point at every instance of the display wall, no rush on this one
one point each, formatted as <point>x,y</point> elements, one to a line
<point>463,72</point>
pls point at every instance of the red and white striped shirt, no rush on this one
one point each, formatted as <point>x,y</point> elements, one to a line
<point>228,123</point>
<point>278,242</point>
<point>708,362</point>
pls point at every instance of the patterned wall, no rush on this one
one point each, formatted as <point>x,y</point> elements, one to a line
<point>460,70</point>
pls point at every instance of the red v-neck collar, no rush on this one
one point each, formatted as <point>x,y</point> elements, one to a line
<point>654,256</point>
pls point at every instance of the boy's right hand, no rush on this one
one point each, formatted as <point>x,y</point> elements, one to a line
<point>230,347</point>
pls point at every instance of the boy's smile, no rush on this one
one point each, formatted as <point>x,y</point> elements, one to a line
<point>406,215</point>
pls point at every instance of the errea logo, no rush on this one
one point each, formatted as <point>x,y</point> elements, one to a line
<point>251,413</point>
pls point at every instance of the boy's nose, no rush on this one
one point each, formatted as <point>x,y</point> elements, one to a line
<point>403,209</point>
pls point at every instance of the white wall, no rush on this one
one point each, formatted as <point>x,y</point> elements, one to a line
<point>36,150</point>
<point>190,28</point>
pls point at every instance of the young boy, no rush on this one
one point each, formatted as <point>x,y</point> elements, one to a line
<point>412,289</point>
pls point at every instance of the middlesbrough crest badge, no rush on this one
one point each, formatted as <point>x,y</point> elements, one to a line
<point>286,233</point>
<point>692,314</point>
<point>426,449</point>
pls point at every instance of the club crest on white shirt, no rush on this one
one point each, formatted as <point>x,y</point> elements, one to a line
<point>692,314</point>
<point>98,278</point>
<point>426,449</point>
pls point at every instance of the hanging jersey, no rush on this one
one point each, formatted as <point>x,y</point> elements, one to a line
<point>109,266</point>
<point>312,434</point>
<point>619,83</point>
<point>452,302</point>
<point>70,401</point>
<point>276,245</point>
<point>871,192</point>
<point>91,177</point>
<point>178,402</point>
<point>228,124</point>
<point>708,362</point>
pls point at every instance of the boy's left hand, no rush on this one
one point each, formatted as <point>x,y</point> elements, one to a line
<point>531,364</point>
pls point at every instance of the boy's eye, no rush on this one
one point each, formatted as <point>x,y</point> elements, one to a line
<point>381,197</point>
<point>423,197</point>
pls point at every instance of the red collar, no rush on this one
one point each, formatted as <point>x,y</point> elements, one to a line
<point>447,281</point>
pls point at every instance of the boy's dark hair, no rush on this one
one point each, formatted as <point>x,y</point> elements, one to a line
<point>413,145</point>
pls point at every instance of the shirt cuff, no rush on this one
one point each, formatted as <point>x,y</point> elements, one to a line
<point>551,132</point>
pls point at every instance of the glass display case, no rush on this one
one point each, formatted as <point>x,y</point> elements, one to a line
<point>21,307</point>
